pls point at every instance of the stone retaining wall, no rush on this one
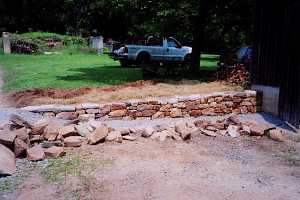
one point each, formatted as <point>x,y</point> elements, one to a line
<point>220,103</point>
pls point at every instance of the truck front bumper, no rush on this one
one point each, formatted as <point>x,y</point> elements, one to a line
<point>118,56</point>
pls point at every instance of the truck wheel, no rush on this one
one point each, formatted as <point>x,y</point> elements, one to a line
<point>143,59</point>
<point>188,59</point>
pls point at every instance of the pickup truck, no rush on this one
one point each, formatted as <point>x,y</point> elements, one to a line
<point>155,50</point>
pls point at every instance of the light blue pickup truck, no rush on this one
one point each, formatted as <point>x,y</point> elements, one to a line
<point>155,50</point>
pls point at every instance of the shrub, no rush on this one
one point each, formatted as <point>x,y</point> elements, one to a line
<point>38,42</point>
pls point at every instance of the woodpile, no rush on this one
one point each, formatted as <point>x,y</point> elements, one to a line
<point>237,75</point>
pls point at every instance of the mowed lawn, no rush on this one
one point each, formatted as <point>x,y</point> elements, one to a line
<point>71,71</point>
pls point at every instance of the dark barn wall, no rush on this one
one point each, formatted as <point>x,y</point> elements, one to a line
<point>276,54</point>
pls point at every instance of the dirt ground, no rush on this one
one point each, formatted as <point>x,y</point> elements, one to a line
<point>135,90</point>
<point>204,168</point>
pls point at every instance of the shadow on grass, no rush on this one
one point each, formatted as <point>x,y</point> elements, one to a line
<point>114,75</point>
<point>106,75</point>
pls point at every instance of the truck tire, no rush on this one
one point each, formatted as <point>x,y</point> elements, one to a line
<point>188,59</point>
<point>143,58</point>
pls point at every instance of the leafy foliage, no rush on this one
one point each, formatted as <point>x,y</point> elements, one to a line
<point>228,22</point>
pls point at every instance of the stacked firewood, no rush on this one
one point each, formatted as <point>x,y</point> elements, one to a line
<point>237,75</point>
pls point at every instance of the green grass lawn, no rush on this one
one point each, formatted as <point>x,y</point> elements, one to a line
<point>70,71</point>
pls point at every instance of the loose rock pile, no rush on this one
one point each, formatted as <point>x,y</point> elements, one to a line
<point>237,75</point>
<point>46,138</point>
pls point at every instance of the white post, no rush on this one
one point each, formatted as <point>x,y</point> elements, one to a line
<point>6,42</point>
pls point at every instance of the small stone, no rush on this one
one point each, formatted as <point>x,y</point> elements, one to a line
<point>20,147</point>
<point>208,133</point>
<point>257,130</point>
<point>128,137</point>
<point>39,127</point>
<point>158,115</point>
<point>148,113</point>
<point>7,161</point>
<point>233,131</point>
<point>124,131</point>
<point>195,113</point>
<point>144,107</point>
<point>118,113</point>
<point>175,112</point>
<point>98,135</point>
<point>276,135</point>
<point>67,131</point>
<point>67,115</point>
<point>22,133</point>
<point>160,136</point>
<point>7,137</point>
<point>148,131</point>
<point>183,130</point>
<point>180,105</point>
<point>82,129</point>
<point>118,107</point>
<point>92,111</point>
<point>114,136</point>
<point>19,121</point>
<point>55,152</point>
<point>165,108</point>
<point>51,131</point>
<point>137,130</point>
<point>201,123</point>
<point>86,117</point>
<point>208,112</point>
<point>35,153</point>
<point>233,119</point>
<point>90,106</point>
<point>73,141</point>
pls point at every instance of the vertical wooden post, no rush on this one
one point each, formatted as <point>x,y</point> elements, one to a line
<point>6,42</point>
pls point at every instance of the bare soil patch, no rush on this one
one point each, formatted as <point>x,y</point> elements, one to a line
<point>204,168</point>
<point>134,90</point>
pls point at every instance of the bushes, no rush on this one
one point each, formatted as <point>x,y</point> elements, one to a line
<point>21,46</point>
<point>38,42</point>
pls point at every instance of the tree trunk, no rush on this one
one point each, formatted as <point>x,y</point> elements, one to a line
<point>198,33</point>
<point>197,47</point>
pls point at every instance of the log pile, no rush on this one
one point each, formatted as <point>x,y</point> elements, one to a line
<point>237,75</point>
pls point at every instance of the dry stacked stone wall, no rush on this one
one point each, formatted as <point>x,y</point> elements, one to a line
<point>220,103</point>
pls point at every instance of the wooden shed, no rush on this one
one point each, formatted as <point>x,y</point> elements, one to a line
<point>276,58</point>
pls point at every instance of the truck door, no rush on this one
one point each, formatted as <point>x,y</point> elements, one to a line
<point>172,50</point>
<point>155,48</point>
